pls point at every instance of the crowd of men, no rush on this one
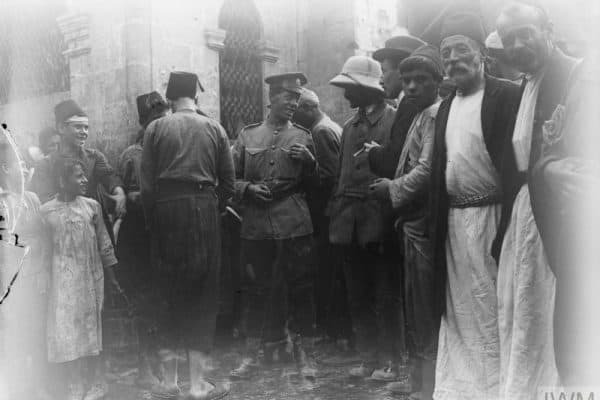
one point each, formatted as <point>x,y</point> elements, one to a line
<point>444,233</point>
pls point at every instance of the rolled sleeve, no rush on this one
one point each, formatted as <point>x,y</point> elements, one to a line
<point>410,186</point>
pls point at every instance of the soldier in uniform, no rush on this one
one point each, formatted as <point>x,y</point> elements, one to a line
<point>186,168</point>
<point>275,165</point>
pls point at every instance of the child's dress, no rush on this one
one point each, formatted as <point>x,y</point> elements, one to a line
<point>80,248</point>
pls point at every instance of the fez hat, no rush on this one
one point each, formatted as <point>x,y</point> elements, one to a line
<point>148,104</point>
<point>290,81</point>
<point>182,84</point>
<point>430,55</point>
<point>398,47</point>
<point>359,71</point>
<point>67,110</point>
<point>465,24</point>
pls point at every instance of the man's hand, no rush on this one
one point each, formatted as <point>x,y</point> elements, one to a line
<point>301,153</point>
<point>380,189</point>
<point>120,199</point>
<point>112,280</point>
<point>259,192</point>
<point>371,145</point>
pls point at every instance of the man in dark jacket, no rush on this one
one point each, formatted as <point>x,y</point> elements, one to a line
<point>359,225</point>
<point>565,192</point>
<point>466,194</point>
<point>383,160</point>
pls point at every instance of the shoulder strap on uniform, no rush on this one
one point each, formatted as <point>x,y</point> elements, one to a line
<point>301,128</point>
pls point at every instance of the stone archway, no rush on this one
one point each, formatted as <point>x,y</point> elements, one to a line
<point>240,66</point>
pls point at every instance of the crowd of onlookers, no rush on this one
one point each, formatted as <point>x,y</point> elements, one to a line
<point>446,229</point>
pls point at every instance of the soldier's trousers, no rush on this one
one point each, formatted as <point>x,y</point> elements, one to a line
<point>277,289</point>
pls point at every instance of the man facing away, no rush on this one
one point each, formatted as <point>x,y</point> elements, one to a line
<point>359,225</point>
<point>186,169</point>
<point>422,73</point>
<point>471,127</point>
<point>275,165</point>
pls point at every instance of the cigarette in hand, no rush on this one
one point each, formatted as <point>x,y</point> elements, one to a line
<point>358,152</point>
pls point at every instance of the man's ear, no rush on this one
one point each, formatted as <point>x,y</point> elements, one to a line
<point>60,129</point>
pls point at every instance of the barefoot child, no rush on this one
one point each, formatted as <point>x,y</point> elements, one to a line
<point>81,248</point>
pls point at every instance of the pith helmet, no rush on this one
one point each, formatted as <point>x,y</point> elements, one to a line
<point>359,71</point>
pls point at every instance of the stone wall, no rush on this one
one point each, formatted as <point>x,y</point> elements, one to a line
<point>118,50</point>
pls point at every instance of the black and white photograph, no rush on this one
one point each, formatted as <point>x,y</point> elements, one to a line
<point>299,199</point>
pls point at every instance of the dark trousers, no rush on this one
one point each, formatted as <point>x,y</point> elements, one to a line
<point>371,274</point>
<point>188,311</point>
<point>332,315</point>
<point>278,288</point>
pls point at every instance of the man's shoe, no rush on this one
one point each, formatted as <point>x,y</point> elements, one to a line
<point>246,370</point>
<point>386,374</point>
<point>361,371</point>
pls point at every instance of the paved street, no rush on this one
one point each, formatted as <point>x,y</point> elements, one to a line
<point>277,382</point>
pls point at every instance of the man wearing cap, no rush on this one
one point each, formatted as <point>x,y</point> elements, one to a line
<point>275,165</point>
<point>133,237</point>
<point>72,126</point>
<point>186,169</point>
<point>359,224</point>
<point>526,282</point>
<point>383,160</point>
<point>326,136</point>
<point>471,172</point>
<point>497,64</point>
<point>422,73</point>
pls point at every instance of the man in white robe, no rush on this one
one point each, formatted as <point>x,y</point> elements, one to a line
<point>466,211</point>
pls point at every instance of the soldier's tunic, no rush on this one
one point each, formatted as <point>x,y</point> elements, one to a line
<point>276,237</point>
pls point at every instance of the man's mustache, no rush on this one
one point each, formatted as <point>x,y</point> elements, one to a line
<point>457,68</point>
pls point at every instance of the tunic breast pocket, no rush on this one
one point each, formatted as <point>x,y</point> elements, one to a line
<point>255,163</point>
<point>286,166</point>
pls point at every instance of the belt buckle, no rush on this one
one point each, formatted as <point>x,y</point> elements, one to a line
<point>200,186</point>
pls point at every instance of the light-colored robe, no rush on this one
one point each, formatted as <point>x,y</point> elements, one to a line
<point>468,359</point>
<point>526,285</point>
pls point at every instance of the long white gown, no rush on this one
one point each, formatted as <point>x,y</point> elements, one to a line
<point>526,285</point>
<point>468,360</point>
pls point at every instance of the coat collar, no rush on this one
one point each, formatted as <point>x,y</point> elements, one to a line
<point>373,117</point>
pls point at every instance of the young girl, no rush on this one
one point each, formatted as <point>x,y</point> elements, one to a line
<point>81,248</point>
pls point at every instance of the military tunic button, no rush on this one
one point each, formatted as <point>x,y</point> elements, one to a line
<point>272,162</point>
<point>273,147</point>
